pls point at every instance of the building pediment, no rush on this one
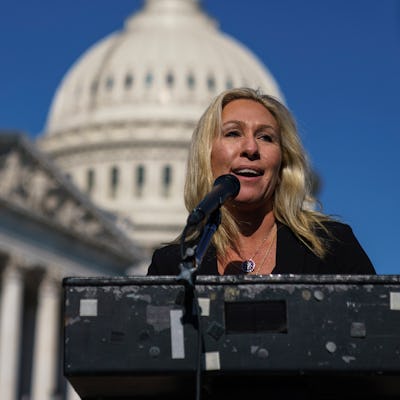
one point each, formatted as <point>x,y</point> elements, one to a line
<point>31,184</point>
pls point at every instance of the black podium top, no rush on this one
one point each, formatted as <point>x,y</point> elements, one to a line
<point>324,337</point>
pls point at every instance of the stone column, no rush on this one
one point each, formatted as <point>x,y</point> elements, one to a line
<point>10,331</point>
<point>45,354</point>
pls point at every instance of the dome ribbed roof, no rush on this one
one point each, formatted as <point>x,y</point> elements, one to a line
<point>166,64</point>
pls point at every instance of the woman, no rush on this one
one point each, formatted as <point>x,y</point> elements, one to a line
<point>269,227</point>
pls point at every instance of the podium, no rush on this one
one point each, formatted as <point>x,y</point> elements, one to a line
<point>311,337</point>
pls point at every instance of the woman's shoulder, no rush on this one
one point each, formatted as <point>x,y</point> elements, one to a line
<point>345,249</point>
<point>335,228</point>
<point>336,234</point>
<point>328,229</point>
<point>170,250</point>
<point>165,260</point>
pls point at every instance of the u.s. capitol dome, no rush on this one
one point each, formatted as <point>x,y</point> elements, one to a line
<point>121,120</point>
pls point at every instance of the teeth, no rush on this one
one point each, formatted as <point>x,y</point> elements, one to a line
<point>247,171</point>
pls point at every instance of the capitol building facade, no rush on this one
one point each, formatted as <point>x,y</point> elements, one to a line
<point>103,185</point>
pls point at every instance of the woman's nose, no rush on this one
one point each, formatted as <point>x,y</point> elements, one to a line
<point>250,148</point>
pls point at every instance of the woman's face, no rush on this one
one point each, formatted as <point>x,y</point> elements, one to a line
<point>249,148</point>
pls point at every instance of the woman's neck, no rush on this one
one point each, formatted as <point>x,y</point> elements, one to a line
<point>252,223</point>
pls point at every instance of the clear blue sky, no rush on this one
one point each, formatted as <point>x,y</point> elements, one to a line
<point>336,61</point>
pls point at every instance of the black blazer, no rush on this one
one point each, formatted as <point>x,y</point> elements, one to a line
<point>345,256</point>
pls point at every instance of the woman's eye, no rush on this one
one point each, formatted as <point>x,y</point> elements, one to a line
<point>232,133</point>
<point>266,137</point>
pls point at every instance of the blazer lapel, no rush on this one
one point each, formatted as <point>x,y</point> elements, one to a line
<point>290,253</point>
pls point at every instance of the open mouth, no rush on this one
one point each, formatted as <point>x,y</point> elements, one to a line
<point>248,172</point>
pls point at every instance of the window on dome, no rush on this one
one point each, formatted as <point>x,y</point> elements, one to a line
<point>211,83</point>
<point>149,79</point>
<point>166,180</point>
<point>128,81</point>
<point>139,180</point>
<point>191,82</point>
<point>109,83</point>
<point>114,181</point>
<point>170,79</point>
<point>90,179</point>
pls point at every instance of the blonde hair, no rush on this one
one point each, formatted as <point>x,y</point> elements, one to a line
<point>293,191</point>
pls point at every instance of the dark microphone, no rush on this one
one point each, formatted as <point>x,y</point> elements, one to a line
<point>224,188</point>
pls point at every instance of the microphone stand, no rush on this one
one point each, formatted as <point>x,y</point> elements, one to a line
<point>190,265</point>
<point>193,256</point>
<point>210,228</point>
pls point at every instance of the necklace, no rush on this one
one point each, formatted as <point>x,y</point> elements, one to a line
<point>249,265</point>
<point>267,253</point>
